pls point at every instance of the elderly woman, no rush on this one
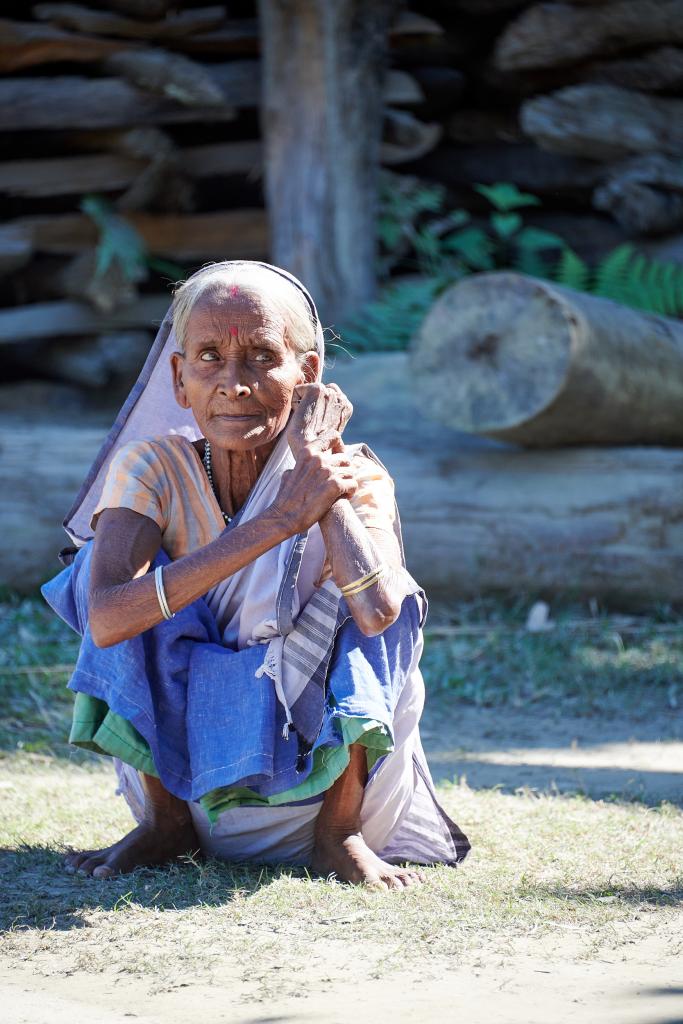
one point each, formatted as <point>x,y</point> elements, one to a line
<point>251,636</point>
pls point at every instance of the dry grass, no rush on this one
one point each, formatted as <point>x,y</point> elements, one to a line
<point>561,872</point>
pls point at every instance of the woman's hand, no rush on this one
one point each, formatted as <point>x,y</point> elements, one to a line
<point>321,475</point>
<point>318,410</point>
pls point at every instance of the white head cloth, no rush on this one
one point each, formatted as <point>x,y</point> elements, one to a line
<point>151,409</point>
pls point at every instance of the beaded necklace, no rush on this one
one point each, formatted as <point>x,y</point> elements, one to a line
<point>209,472</point>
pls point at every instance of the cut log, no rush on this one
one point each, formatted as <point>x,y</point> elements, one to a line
<point>168,74</point>
<point>479,516</point>
<point>71,319</point>
<point>323,70</point>
<point>235,37</point>
<point>556,34</point>
<point>111,172</point>
<point>69,101</point>
<point>84,19</point>
<point>644,195</point>
<point>659,70</point>
<point>532,363</point>
<point>603,122</point>
<point>227,234</point>
<point>406,138</point>
<point>107,361</point>
<point>485,8</point>
<point>149,10</point>
<point>410,23</point>
<point>24,44</point>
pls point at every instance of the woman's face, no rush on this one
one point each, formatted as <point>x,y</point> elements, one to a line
<point>238,373</point>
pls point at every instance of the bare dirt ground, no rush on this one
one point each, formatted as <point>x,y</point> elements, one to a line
<point>631,757</point>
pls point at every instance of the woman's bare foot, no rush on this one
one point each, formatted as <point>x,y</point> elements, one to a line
<point>144,846</point>
<point>165,832</point>
<point>349,859</point>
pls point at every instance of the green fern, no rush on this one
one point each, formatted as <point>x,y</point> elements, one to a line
<point>572,271</point>
<point>392,320</point>
<point>630,277</point>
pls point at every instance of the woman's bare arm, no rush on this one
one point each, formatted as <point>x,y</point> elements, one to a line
<point>355,550</point>
<point>123,601</point>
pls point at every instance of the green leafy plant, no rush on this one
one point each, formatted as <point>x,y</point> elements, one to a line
<point>119,244</point>
<point>416,231</point>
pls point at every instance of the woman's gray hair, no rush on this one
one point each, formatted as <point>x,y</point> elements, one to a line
<point>291,303</point>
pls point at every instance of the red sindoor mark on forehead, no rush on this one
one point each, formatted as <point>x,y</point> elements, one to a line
<point>234,290</point>
<point>233,330</point>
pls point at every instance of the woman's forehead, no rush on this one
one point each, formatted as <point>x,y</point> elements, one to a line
<point>230,305</point>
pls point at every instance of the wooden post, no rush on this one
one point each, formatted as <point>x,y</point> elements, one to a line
<point>321,120</point>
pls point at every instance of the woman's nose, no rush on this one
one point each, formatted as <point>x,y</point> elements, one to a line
<point>232,383</point>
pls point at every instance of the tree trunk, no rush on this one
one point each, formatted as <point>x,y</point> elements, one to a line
<point>529,362</point>
<point>555,34</point>
<point>322,119</point>
<point>603,122</point>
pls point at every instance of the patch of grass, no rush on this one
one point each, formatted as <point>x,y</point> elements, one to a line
<point>35,706</point>
<point>609,664</point>
<point>544,868</point>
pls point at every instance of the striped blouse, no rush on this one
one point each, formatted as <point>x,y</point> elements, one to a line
<point>164,479</point>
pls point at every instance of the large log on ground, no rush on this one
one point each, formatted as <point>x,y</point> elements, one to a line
<point>477,516</point>
<point>73,319</point>
<point>603,122</point>
<point>554,34</point>
<point>522,360</point>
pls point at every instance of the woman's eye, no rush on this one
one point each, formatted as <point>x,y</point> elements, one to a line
<point>263,357</point>
<point>208,357</point>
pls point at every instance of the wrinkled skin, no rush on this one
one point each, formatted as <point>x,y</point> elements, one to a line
<point>245,385</point>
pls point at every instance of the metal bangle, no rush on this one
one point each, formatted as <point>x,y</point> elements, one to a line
<point>161,593</point>
<point>363,583</point>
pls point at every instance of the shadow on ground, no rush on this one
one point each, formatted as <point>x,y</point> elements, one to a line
<point>37,892</point>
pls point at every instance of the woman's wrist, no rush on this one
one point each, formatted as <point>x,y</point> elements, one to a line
<point>337,513</point>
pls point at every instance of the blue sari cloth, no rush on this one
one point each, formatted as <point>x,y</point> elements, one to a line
<point>209,721</point>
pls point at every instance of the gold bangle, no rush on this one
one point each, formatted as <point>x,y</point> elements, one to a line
<point>363,583</point>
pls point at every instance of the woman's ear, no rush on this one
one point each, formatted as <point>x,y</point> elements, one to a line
<point>309,368</point>
<point>177,362</point>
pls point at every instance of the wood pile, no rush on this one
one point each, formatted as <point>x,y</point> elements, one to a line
<point>152,107</point>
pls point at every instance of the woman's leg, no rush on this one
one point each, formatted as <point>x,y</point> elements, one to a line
<point>339,846</point>
<point>165,832</point>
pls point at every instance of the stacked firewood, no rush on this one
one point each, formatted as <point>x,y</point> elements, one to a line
<point>131,146</point>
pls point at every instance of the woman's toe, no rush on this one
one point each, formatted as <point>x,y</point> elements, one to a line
<point>87,867</point>
<point>103,871</point>
<point>73,861</point>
